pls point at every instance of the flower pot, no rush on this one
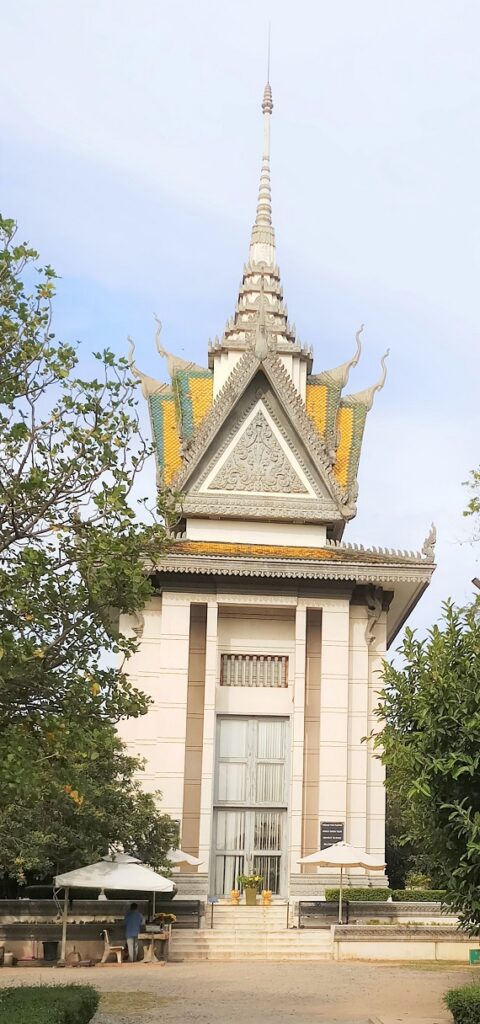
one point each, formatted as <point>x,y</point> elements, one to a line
<point>250,897</point>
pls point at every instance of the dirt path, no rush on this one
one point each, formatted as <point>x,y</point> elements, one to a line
<point>261,993</point>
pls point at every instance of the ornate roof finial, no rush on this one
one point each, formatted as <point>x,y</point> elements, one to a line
<point>262,244</point>
<point>428,549</point>
<point>149,385</point>
<point>366,397</point>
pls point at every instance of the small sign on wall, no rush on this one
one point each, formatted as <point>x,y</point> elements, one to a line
<point>331,832</point>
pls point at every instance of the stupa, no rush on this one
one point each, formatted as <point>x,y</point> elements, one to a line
<point>263,645</point>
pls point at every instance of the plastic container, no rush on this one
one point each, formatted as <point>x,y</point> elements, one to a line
<point>474,956</point>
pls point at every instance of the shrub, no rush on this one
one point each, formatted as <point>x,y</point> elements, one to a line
<point>418,895</point>
<point>48,1004</point>
<point>354,895</point>
<point>371,895</point>
<point>464,1004</point>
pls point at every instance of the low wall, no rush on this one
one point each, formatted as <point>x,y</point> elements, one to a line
<point>391,913</point>
<point>26,924</point>
<point>370,912</point>
<point>371,942</point>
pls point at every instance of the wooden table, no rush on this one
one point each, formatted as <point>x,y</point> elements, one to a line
<point>149,955</point>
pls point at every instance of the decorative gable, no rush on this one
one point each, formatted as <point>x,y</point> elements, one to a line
<point>257,463</point>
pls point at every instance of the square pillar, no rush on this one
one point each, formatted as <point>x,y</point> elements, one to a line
<point>375,768</point>
<point>170,703</point>
<point>334,712</point>
<point>298,733</point>
<point>208,746</point>
<point>358,726</point>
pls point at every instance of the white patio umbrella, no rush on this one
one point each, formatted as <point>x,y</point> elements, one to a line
<point>180,857</point>
<point>343,855</point>
<point>117,871</point>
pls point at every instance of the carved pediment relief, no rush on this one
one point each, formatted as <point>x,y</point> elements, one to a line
<point>257,463</point>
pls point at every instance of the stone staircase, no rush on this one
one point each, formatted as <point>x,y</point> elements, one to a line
<point>250,933</point>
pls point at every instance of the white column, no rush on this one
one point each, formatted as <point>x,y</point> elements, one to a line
<point>358,752</point>
<point>334,711</point>
<point>170,702</point>
<point>208,749</point>
<point>298,730</point>
<point>375,768</point>
<point>160,669</point>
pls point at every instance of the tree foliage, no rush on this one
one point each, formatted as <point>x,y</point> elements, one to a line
<point>72,557</point>
<point>430,722</point>
<point>68,794</point>
<point>473,507</point>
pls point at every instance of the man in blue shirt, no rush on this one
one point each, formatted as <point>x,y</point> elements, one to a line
<point>133,925</point>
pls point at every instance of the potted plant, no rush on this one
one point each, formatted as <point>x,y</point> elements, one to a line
<point>161,922</point>
<point>250,885</point>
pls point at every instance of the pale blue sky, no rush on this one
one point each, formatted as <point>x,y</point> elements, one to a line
<point>131,149</point>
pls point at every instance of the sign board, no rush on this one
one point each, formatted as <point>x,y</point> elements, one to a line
<point>331,832</point>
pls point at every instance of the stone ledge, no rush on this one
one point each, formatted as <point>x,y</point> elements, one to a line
<point>393,933</point>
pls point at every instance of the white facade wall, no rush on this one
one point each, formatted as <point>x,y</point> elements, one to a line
<point>332,778</point>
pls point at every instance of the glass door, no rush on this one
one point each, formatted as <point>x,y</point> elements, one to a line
<point>250,802</point>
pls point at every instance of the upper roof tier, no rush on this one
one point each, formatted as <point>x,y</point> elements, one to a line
<point>256,434</point>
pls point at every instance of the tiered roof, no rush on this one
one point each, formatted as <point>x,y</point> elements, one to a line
<point>259,334</point>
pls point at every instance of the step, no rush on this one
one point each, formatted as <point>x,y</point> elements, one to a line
<point>262,918</point>
<point>239,944</point>
<point>236,954</point>
<point>242,938</point>
<point>242,934</point>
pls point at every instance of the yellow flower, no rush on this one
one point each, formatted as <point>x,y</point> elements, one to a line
<point>95,688</point>
<point>40,653</point>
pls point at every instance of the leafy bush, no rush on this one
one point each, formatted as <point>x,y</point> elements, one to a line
<point>418,895</point>
<point>48,1004</point>
<point>355,895</point>
<point>372,895</point>
<point>464,1004</point>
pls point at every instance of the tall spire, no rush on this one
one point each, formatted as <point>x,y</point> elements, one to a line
<point>262,243</point>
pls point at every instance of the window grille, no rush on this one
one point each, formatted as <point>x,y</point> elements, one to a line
<point>254,670</point>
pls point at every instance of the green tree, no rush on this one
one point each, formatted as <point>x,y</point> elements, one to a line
<point>48,824</point>
<point>398,851</point>
<point>72,558</point>
<point>428,740</point>
<point>473,507</point>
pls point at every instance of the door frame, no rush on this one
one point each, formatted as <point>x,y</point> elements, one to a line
<point>283,806</point>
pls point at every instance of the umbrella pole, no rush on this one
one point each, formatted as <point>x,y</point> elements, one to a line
<point>340,898</point>
<point>153,906</point>
<point>63,949</point>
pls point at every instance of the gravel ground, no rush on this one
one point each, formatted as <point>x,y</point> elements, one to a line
<point>270,993</point>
